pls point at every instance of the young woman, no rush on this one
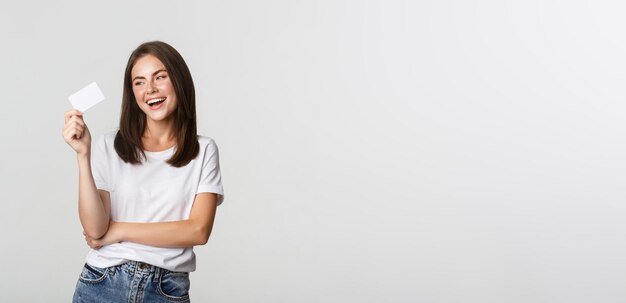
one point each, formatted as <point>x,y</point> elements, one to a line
<point>148,192</point>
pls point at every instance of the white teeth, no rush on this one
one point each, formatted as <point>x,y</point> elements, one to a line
<point>150,102</point>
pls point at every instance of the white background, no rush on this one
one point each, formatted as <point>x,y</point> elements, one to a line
<point>371,151</point>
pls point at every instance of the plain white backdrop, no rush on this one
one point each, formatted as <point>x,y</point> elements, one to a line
<point>371,151</point>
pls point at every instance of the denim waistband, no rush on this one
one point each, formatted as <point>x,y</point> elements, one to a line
<point>141,268</point>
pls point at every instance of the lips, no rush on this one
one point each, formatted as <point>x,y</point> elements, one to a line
<point>155,103</point>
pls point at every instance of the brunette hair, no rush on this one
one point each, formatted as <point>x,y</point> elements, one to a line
<point>128,144</point>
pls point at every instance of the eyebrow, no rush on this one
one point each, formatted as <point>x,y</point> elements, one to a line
<point>158,71</point>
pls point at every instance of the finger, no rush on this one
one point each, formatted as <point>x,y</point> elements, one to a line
<point>77,120</point>
<point>74,125</point>
<point>78,127</point>
<point>79,132</point>
<point>68,134</point>
<point>70,113</point>
<point>95,244</point>
<point>73,132</point>
<point>74,122</point>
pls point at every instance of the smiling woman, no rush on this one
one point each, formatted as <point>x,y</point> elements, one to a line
<point>146,90</point>
<point>156,72</point>
<point>148,192</point>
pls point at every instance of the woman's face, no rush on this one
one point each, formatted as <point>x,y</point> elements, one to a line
<point>153,89</point>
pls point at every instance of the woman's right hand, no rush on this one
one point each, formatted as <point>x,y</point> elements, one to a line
<point>75,132</point>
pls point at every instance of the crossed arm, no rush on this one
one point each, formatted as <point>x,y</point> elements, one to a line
<point>95,206</point>
<point>185,233</point>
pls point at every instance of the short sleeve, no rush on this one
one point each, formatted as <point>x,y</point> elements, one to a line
<point>99,164</point>
<point>210,175</point>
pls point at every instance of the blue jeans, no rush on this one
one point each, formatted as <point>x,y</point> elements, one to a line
<point>131,282</point>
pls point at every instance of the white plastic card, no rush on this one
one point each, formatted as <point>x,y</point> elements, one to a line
<point>87,97</point>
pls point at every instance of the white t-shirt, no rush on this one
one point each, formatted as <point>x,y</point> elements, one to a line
<point>152,191</point>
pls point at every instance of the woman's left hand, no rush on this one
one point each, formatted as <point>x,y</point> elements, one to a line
<point>110,237</point>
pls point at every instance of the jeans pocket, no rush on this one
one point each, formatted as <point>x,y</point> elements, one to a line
<point>174,285</point>
<point>92,274</point>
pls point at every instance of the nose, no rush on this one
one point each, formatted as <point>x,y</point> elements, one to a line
<point>151,88</point>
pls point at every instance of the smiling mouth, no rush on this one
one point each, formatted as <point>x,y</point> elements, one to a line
<point>155,102</point>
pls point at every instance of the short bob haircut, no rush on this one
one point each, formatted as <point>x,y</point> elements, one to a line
<point>128,144</point>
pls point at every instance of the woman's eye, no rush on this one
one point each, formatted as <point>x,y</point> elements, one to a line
<point>160,77</point>
<point>138,83</point>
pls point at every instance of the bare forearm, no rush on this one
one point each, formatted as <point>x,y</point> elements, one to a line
<point>94,216</point>
<point>185,233</point>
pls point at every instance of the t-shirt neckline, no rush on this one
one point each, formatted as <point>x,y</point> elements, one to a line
<point>159,153</point>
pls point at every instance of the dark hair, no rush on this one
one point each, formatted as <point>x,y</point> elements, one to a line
<point>128,144</point>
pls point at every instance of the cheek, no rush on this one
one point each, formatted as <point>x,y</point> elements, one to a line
<point>167,85</point>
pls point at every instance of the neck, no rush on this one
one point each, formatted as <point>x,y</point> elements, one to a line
<point>159,132</point>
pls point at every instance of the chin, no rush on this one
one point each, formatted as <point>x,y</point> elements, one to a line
<point>161,117</point>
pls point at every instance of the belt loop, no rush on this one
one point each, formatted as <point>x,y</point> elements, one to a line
<point>131,267</point>
<point>157,274</point>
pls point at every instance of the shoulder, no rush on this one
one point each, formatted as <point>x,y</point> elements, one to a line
<point>106,139</point>
<point>105,143</point>
<point>208,148</point>
<point>206,142</point>
<point>103,147</point>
